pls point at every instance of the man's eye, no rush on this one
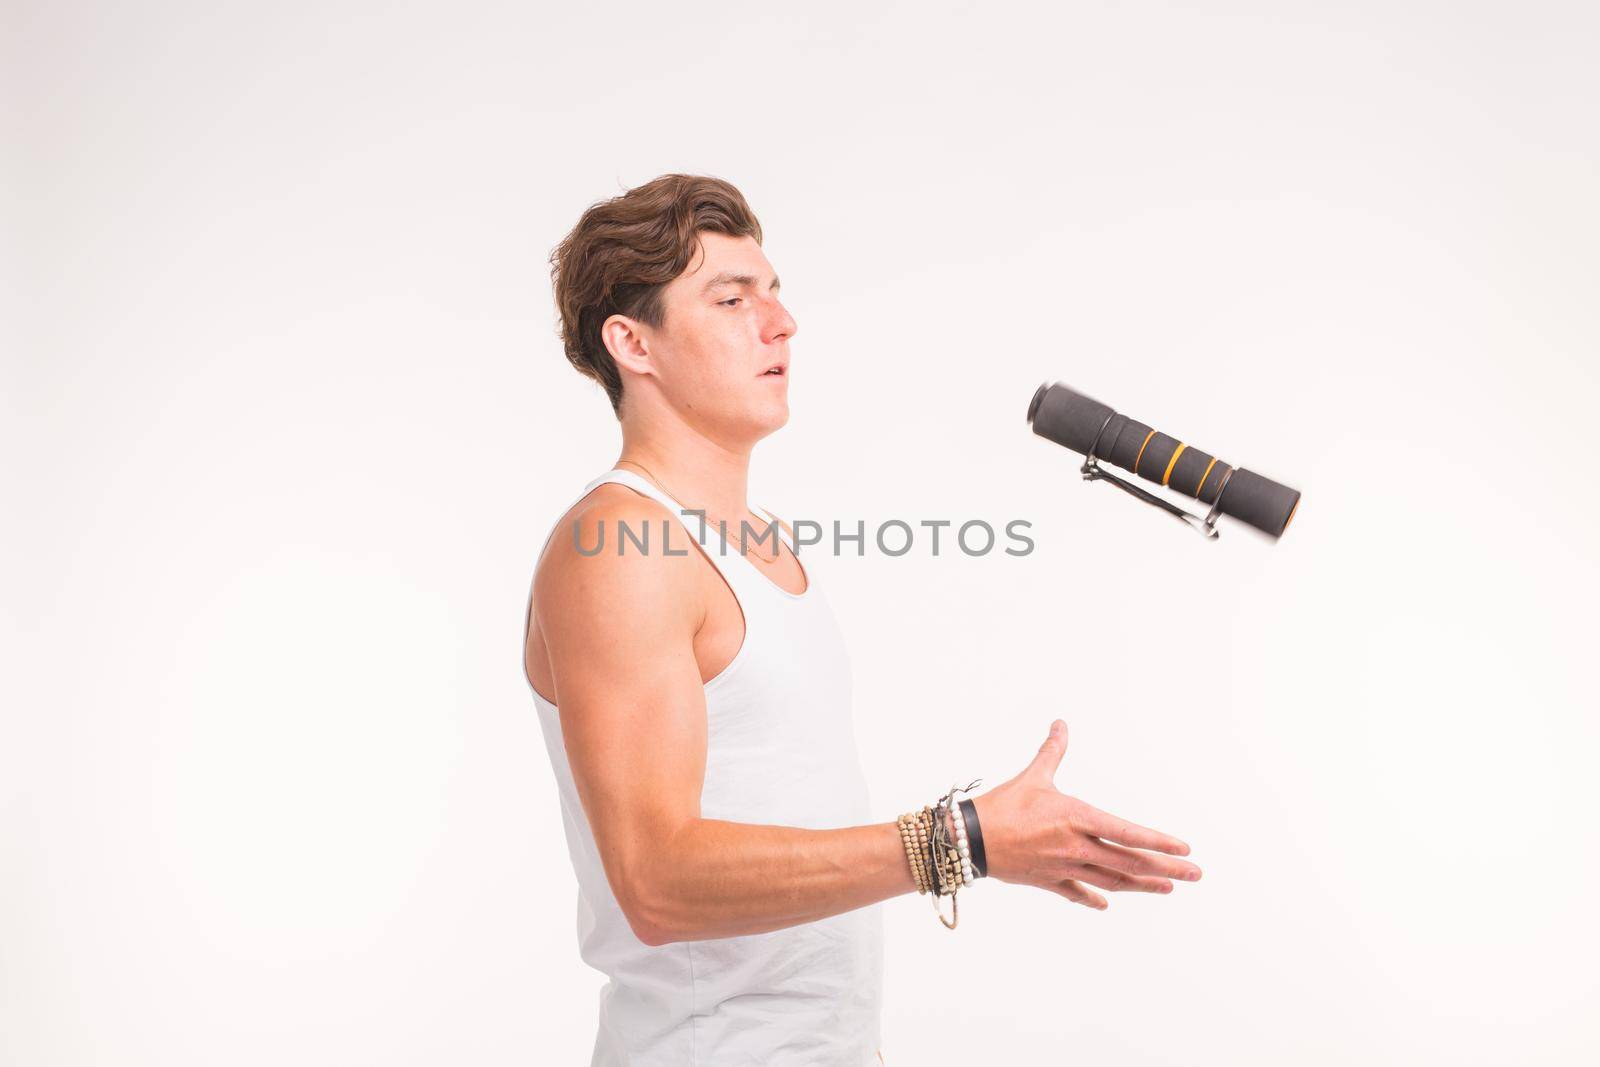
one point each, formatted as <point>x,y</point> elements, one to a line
<point>730,301</point>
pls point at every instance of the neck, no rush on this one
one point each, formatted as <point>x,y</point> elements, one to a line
<point>699,473</point>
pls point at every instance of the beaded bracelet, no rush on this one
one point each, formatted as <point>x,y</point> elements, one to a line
<point>925,849</point>
<point>961,856</point>
<point>908,838</point>
<point>939,864</point>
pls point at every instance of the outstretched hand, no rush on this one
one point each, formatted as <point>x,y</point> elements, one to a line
<point>1033,834</point>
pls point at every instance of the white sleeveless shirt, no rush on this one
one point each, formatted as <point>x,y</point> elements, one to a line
<point>780,750</point>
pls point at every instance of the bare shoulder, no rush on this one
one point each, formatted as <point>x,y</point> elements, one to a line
<point>605,560</point>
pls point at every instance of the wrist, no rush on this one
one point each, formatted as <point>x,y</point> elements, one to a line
<point>936,842</point>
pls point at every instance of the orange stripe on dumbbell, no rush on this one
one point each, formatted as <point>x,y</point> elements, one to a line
<point>1172,462</point>
<point>1140,456</point>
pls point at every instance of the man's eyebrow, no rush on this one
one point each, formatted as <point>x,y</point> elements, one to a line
<point>729,278</point>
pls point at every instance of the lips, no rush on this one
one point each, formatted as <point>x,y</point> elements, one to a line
<point>777,370</point>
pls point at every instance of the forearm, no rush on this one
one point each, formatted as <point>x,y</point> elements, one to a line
<point>724,879</point>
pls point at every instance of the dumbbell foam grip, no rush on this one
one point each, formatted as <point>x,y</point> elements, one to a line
<point>1082,423</point>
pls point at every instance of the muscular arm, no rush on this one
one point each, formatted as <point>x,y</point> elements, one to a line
<point>620,634</point>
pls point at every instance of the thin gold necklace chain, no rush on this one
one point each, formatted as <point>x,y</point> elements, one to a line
<point>659,483</point>
<point>662,486</point>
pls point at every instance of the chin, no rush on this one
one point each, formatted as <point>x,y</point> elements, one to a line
<point>768,420</point>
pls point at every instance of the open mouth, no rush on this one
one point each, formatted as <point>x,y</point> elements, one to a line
<point>777,371</point>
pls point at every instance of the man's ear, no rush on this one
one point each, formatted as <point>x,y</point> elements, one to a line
<point>624,339</point>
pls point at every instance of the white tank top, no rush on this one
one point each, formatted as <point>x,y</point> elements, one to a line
<point>781,750</point>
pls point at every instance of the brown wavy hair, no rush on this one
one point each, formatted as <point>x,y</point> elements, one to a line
<point>625,250</point>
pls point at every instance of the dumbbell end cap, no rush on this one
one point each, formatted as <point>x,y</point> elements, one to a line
<point>1033,405</point>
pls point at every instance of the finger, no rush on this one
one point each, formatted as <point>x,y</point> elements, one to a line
<point>1049,758</point>
<point>1087,897</point>
<point>1128,861</point>
<point>1104,824</point>
<point>1118,881</point>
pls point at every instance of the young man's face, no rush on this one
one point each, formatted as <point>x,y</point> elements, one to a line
<point>724,329</point>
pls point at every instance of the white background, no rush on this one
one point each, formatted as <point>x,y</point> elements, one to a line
<point>286,420</point>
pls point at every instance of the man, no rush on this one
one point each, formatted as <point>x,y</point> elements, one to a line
<point>695,694</point>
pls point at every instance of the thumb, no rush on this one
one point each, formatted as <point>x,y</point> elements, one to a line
<point>1049,758</point>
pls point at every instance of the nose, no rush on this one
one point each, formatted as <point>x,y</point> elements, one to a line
<point>780,325</point>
